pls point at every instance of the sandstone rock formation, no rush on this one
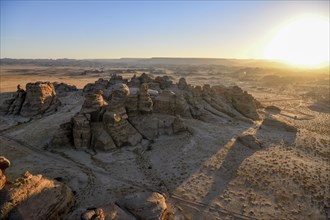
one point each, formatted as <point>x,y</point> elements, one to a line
<point>3,179</point>
<point>17,103</point>
<point>129,114</point>
<point>39,98</point>
<point>250,141</point>
<point>62,89</point>
<point>81,130</point>
<point>63,137</point>
<point>4,164</point>
<point>171,103</point>
<point>145,103</point>
<point>107,212</point>
<point>164,82</point>
<point>182,84</point>
<point>93,101</point>
<point>103,125</point>
<point>33,197</point>
<point>243,102</point>
<point>139,205</point>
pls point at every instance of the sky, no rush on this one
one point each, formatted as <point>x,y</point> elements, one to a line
<point>116,29</point>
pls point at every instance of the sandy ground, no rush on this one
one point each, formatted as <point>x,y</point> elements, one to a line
<point>205,173</point>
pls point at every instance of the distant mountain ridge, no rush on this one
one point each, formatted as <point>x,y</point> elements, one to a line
<point>148,62</point>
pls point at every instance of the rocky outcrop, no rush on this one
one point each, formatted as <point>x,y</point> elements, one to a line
<point>139,205</point>
<point>170,103</point>
<point>129,114</point>
<point>151,126</point>
<point>243,102</point>
<point>17,103</point>
<point>107,212</point>
<point>93,101</point>
<point>250,141</point>
<point>40,99</point>
<point>3,179</point>
<point>81,130</point>
<point>163,81</point>
<point>100,139</point>
<point>115,118</point>
<point>62,89</point>
<point>182,84</point>
<point>145,104</point>
<point>121,131</point>
<point>145,205</point>
<point>4,164</point>
<point>35,197</point>
<point>103,125</point>
<point>100,84</point>
<point>63,137</point>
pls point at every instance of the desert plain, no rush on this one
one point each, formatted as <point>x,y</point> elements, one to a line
<point>220,164</point>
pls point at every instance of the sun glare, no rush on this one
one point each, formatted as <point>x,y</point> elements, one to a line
<point>303,42</point>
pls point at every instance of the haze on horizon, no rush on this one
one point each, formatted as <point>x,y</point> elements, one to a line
<point>293,31</point>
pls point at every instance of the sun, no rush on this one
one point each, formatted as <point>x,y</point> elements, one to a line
<point>303,41</point>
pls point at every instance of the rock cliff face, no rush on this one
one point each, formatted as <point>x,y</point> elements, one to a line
<point>34,197</point>
<point>39,98</point>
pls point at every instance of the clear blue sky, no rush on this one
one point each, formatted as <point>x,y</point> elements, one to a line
<point>111,29</point>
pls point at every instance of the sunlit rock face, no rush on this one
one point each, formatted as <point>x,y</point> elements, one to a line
<point>33,196</point>
<point>38,99</point>
<point>4,164</point>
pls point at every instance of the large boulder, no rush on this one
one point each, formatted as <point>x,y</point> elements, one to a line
<point>250,141</point>
<point>40,99</point>
<point>35,197</point>
<point>107,212</point>
<point>145,205</point>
